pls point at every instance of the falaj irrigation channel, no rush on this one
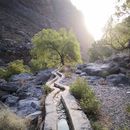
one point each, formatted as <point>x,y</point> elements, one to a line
<point>62,110</point>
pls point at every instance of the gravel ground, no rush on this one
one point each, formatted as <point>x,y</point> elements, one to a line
<point>113,100</point>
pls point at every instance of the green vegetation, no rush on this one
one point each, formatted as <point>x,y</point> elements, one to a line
<point>99,51</point>
<point>98,126</point>
<point>47,89</point>
<point>52,48</point>
<point>15,67</point>
<point>116,36</point>
<point>81,90</point>
<point>9,121</point>
<point>88,102</point>
<point>128,108</point>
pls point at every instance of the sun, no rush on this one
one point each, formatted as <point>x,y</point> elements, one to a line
<point>96,13</point>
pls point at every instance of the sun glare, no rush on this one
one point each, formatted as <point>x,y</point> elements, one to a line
<point>96,13</point>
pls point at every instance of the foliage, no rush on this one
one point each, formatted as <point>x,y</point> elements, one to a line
<point>99,51</point>
<point>68,74</point>
<point>128,108</point>
<point>15,67</point>
<point>98,126</point>
<point>47,89</point>
<point>52,47</point>
<point>3,73</point>
<point>9,121</point>
<point>117,36</point>
<point>81,90</point>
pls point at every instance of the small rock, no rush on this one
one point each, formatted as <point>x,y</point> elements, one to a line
<point>83,74</point>
<point>78,72</point>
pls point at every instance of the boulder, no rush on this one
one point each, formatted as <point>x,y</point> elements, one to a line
<point>78,71</point>
<point>21,77</point>
<point>28,106</point>
<point>102,70</point>
<point>10,87</point>
<point>30,90</point>
<point>43,76</point>
<point>117,79</point>
<point>10,100</point>
<point>81,66</point>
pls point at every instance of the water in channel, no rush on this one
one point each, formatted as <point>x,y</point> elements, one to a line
<point>62,118</point>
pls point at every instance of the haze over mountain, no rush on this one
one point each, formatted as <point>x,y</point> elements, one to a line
<point>21,19</point>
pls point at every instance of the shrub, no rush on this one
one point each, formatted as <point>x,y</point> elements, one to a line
<point>15,67</point>
<point>99,51</point>
<point>97,126</point>
<point>9,121</point>
<point>90,104</point>
<point>47,89</point>
<point>3,73</point>
<point>128,108</point>
<point>81,90</point>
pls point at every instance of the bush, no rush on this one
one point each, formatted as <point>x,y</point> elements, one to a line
<point>9,121</point>
<point>98,126</point>
<point>128,108</point>
<point>3,73</point>
<point>15,67</point>
<point>47,89</point>
<point>99,51</point>
<point>81,90</point>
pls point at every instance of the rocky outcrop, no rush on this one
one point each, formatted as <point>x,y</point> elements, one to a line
<point>22,93</point>
<point>21,19</point>
<point>114,70</point>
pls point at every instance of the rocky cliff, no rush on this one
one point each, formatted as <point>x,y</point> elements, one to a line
<point>21,19</point>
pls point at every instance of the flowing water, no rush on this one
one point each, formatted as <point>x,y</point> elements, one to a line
<point>62,118</point>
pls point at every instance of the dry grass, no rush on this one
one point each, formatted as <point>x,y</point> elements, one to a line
<point>9,121</point>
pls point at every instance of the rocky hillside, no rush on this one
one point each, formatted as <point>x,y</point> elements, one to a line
<point>21,19</point>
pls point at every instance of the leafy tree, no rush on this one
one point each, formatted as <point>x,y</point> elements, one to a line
<point>100,50</point>
<point>117,36</point>
<point>52,47</point>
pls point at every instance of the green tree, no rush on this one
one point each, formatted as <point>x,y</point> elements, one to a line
<point>117,36</point>
<point>52,47</point>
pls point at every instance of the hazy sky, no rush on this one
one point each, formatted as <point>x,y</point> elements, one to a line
<point>96,13</point>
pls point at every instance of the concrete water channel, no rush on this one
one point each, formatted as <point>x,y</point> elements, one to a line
<point>62,110</point>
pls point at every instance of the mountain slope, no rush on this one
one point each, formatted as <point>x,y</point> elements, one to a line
<point>21,19</point>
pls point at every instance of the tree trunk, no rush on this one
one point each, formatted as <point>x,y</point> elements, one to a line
<point>62,60</point>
